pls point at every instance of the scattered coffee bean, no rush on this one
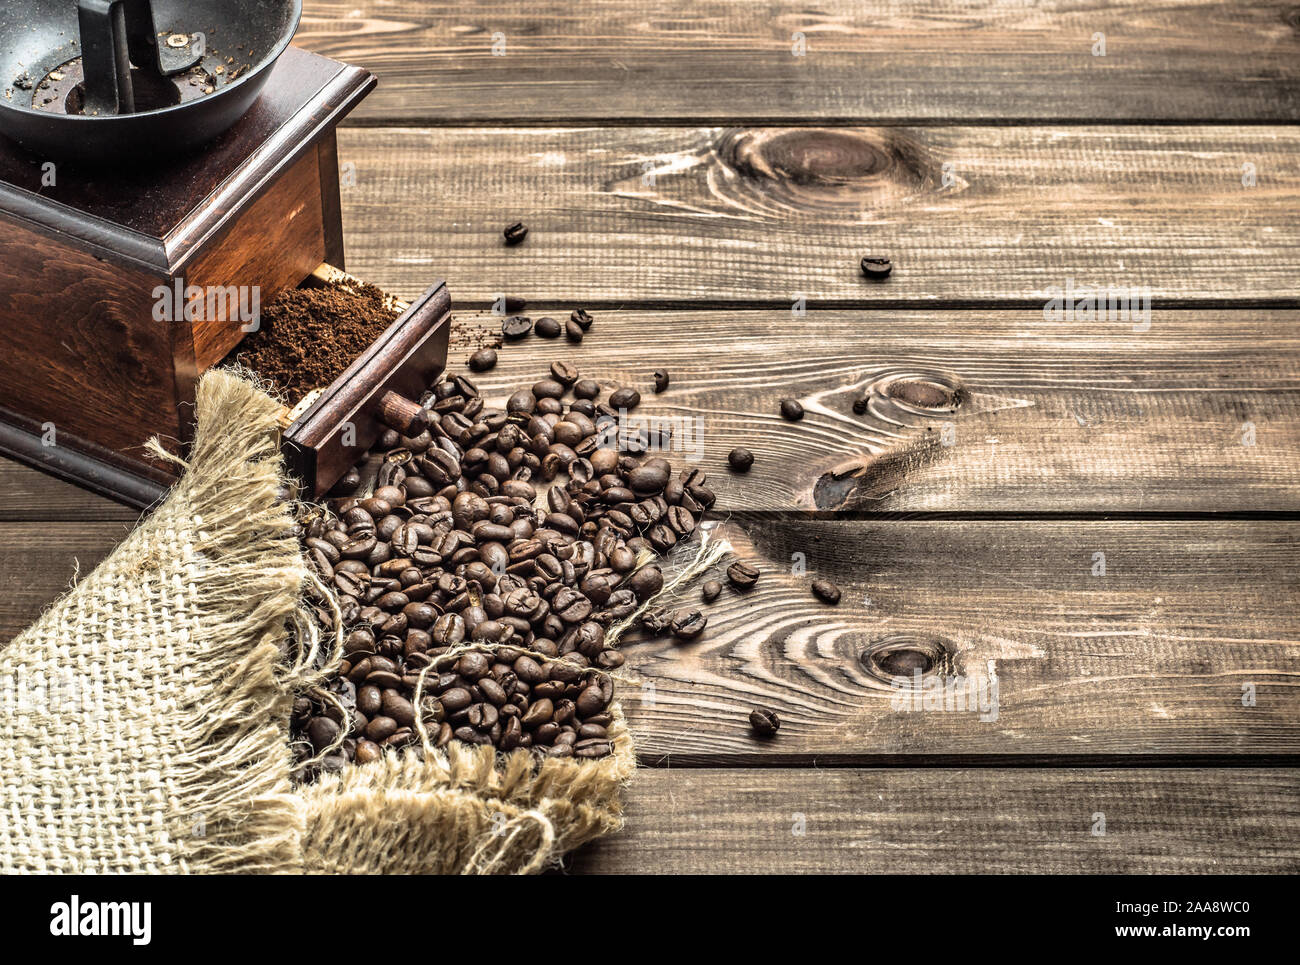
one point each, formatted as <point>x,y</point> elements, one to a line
<point>876,268</point>
<point>688,624</point>
<point>564,373</point>
<point>826,591</point>
<point>573,331</point>
<point>514,304</point>
<point>860,405</point>
<point>625,398</point>
<point>547,327</point>
<point>516,327</point>
<point>483,359</point>
<point>742,575</point>
<point>765,723</point>
<point>462,541</point>
<point>710,590</point>
<point>661,379</point>
<point>791,410</point>
<point>516,233</point>
<point>580,318</point>
<point>740,459</point>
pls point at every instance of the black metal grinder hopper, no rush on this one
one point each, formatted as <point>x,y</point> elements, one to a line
<point>101,82</point>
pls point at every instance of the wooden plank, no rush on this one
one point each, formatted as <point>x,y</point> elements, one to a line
<point>1148,661</point>
<point>893,821</point>
<point>1054,417</point>
<point>33,495</point>
<point>40,561</point>
<point>760,216</point>
<point>1050,416</point>
<point>1153,658</point>
<point>614,59</point>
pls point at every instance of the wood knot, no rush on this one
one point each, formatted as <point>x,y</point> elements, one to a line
<point>825,169</point>
<point>810,157</point>
<point>924,394</point>
<point>905,656</point>
<point>927,393</point>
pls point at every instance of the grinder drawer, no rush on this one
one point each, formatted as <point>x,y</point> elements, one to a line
<point>329,429</point>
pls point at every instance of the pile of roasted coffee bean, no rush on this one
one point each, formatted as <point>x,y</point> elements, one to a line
<point>479,577</point>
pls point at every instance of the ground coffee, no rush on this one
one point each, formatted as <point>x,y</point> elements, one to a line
<point>308,336</point>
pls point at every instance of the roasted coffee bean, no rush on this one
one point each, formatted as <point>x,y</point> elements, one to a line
<point>688,624</point>
<point>590,749</point>
<point>650,478</point>
<point>580,317</point>
<point>710,590</point>
<point>548,389</point>
<point>564,373</point>
<point>573,331</point>
<point>661,379</point>
<point>571,606</point>
<point>625,398</point>
<point>397,707</point>
<point>380,728</point>
<point>646,582</point>
<point>860,405</point>
<point>742,575</point>
<point>359,641</point>
<point>516,327</point>
<point>482,360</point>
<point>740,459</point>
<point>492,691</point>
<point>473,665</point>
<point>539,712</point>
<point>529,670</point>
<point>588,640</point>
<point>455,699</point>
<point>826,591</point>
<point>368,700</point>
<point>875,267</point>
<point>515,233</point>
<point>765,723</point>
<point>322,732</point>
<point>547,327</point>
<point>680,520</point>
<point>791,410</point>
<point>592,700</point>
<point>661,537</point>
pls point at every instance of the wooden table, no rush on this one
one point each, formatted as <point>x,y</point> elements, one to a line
<point>1106,519</point>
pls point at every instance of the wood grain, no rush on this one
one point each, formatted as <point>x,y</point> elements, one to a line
<point>40,561</point>
<point>93,362</point>
<point>1087,418</point>
<point>759,216</point>
<point>277,243</point>
<point>987,821</point>
<point>620,59</point>
<point>1049,417</point>
<point>1147,661</point>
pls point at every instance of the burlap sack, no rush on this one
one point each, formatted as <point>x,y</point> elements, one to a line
<point>144,725</point>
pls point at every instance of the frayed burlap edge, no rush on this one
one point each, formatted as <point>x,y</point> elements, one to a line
<point>249,587</point>
<point>463,810</point>
<point>222,540</point>
<point>460,809</point>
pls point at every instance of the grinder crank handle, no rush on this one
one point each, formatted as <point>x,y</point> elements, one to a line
<point>114,35</point>
<point>105,53</point>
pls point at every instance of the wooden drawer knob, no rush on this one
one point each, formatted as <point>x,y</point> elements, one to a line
<point>400,413</point>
